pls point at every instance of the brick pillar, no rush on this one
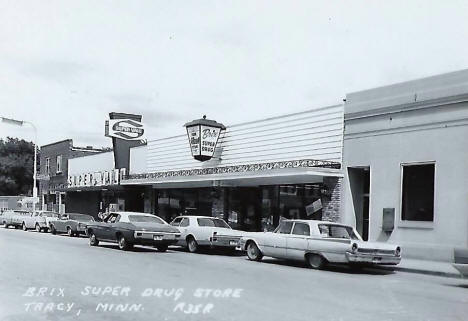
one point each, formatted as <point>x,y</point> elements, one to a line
<point>331,202</point>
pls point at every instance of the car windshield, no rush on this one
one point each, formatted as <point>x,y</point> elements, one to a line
<point>145,219</point>
<point>212,222</point>
<point>81,217</point>
<point>337,231</point>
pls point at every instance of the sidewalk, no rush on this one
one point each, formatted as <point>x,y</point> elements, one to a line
<point>424,267</point>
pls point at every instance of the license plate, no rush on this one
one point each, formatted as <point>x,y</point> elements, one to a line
<point>376,259</point>
<point>157,237</point>
<point>232,242</point>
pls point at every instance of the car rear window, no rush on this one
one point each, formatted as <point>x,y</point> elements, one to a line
<point>337,231</point>
<point>212,222</point>
<point>145,219</point>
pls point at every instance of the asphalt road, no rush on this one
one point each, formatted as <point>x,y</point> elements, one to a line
<point>51,277</point>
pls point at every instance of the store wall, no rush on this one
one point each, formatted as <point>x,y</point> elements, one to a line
<point>314,134</point>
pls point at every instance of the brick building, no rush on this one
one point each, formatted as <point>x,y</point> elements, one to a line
<point>53,171</point>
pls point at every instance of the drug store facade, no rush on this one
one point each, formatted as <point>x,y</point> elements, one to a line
<point>260,172</point>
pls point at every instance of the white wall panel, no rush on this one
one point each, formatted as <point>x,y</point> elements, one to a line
<point>314,134</point>
<point>91,163</point>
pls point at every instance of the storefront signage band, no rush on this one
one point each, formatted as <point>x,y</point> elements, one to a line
<point>104,178</point>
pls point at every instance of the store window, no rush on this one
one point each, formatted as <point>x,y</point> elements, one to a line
<point>59,164</point>
<point>418,192</point>
<point>301,201</point>
<point>47,165</point>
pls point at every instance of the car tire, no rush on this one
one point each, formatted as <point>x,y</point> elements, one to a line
<point>5,225</point>
<point>192,244</point>
<point>316,261</point>
<point>123,243</point>
<point>38,228</point>
<point>161,248</point>
<point>24,227</point>
<point>253,252</point>
<point>70,232</point>
<point>53,231</point>
<point>93,241</point>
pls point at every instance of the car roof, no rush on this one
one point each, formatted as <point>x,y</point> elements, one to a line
<point>124,213</point>
<point>197,216</point>
<point>315,222</point>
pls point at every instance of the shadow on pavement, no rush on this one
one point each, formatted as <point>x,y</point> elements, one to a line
<point>133,249</point>
<point>208,251</point>
<point>331,267</point>
<point>463,286</point>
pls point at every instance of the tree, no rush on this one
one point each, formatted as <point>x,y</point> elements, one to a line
<point>16,166</point>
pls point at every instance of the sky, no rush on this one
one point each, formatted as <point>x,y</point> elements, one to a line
<point>64,65</point>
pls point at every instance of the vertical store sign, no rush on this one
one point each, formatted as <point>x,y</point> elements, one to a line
<point>203,136</point>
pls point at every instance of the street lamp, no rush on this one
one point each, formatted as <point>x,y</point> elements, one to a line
<point>21,123</point>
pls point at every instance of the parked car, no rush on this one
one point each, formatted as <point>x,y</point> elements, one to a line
<point>71,223</point>
<point>318,243</point>
<point>133,228</point>
<point>197,231</point>
<point>39,221</point>
<point>14,218</point>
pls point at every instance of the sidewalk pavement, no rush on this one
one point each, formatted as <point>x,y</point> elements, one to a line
<point>424,267</point>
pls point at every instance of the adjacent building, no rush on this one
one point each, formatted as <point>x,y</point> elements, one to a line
<point>405,164</point>
<point>53,172</point>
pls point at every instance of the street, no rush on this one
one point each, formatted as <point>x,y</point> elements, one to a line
<point>55,277</point>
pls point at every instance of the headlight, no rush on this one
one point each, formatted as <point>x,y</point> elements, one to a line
<point>354,248</point>
<point>398,251</point>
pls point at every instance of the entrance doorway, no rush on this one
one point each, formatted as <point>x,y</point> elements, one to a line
<point>359,181</point>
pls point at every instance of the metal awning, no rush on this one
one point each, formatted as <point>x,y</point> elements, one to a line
<point>298,175</point>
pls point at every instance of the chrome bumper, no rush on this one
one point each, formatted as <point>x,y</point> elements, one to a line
<point>225,241</point>
<point>372,258</point>
<point>156,236</point>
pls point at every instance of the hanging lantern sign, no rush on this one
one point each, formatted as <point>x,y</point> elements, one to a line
<point>203,136</point>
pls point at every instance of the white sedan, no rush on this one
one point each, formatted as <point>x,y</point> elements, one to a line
<point>39,221</point>
<point>318,243</point>
<point>206,231</point>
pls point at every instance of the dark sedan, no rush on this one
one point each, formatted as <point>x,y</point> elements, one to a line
<point>70,223</point>
<point>133,228</point>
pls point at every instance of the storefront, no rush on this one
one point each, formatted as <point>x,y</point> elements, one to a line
<point>406,174</point>
<point>261,172</point>
<point>93,187</point>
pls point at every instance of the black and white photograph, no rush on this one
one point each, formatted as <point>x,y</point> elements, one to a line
<point>233,160</point>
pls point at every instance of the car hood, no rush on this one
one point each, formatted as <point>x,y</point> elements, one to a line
<point>375,245</point>
<point>155,227</point>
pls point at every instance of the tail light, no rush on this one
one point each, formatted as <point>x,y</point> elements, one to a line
<point>398,251</point>
<point>354,248</point>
